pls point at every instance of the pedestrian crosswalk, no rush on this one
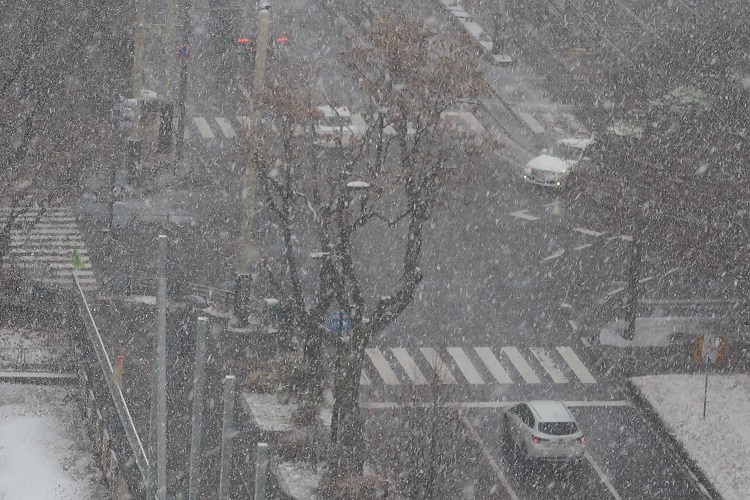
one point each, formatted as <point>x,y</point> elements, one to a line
<point>45,251</point>
<point>476,366</point>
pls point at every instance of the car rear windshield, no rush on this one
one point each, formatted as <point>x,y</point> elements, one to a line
<point>558,428</point>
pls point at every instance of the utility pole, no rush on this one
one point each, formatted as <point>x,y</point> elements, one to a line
<point>197,424</point>
<point>135,143</point>
<point>226,438</point>
<point>167,108</point>
<point>248,254</point>
<point>157,473</point>
<point>183,86</point>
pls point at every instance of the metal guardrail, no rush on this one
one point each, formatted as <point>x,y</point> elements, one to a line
<point>99,368</point>
<point>224,298</point>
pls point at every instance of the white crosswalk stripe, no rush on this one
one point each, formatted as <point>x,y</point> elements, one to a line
<point>521,365</point>
<point>411,368</point>
<point>382,366</point>
<point>441,369</point>
<point>203,127</point>
<point>465,365</point>
<point>576,365</point>
<point>225,126</point>
<point>493,365</point>
<point>46,247</point>
<point>476,366</point>
<point>557,376</point>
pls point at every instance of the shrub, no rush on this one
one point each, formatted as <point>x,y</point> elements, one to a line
<point>367,487</point>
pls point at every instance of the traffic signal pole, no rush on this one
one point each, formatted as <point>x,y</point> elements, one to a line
<point>167,110</point>
<point>134,140</point>
<point>248,254</point>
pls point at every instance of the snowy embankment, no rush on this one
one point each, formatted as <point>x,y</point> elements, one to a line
<point>718,445</point>
<point>44,452</point>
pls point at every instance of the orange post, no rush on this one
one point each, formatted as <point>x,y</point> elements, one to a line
<point>699,350</point>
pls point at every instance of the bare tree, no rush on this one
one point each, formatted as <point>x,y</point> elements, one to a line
<point>679,187</point>
<point>352,216</point>
<point>50,136</point>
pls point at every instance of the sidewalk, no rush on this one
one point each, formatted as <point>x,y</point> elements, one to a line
<point>717,447</point>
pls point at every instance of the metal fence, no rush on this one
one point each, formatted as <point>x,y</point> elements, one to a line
<point>38,359</point>
<point>219,297</point>
<point>98,367</point>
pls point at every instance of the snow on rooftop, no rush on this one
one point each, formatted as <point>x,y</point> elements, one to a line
<point>44,453</point>
<point>720,444</point>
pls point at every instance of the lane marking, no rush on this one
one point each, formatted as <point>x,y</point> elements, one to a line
<point>573,325</point>
<point>623,237</point>
<point>389,405</point>
<point>585,342</point>
<point>409,366</point>
<point>644,280</point>
<point>581,247</point>
<point>382,366</point>
<point>555,255</point>
<point>575,364</point>
<point>554,372</point>
<point>493,365</point>
<point>203,127</point>
<point>529,119</point>
<point>465,365</point>
<point>225,126</point>
<point>522,214</point>
<point>521,365</point>
<point>602,476</point>
<point>671,271</point>
<point>488,456</point>
<point>363,379</point>
<point>615,291</point>
<point>441,369</point>
<point>244,121</point>
<point>589,232</point>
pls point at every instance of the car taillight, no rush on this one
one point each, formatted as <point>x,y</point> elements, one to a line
<point>580,439</point>
<point>538,440</point>
<point>243,40</point>
<point>282,39</point>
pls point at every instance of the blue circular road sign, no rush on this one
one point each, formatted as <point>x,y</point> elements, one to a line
<point>184,52</point>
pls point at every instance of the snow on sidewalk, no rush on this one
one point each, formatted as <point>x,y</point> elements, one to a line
<point>44,452</point>
<point>720,444</point>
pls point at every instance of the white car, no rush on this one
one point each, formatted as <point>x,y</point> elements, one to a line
<point>337,126</point>
<point>553,167</point>
<point>544,430</point>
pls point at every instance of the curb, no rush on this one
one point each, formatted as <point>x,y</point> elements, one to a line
<point>653,416</point>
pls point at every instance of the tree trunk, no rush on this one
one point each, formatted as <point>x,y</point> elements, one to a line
<point>348,458</point>
<point>634,272</point>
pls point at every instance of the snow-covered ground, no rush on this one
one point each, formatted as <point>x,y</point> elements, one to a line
<point>44,452</point>
<point>720,444</point>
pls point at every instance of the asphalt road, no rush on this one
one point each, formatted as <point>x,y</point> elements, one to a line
<point>516,284</point>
